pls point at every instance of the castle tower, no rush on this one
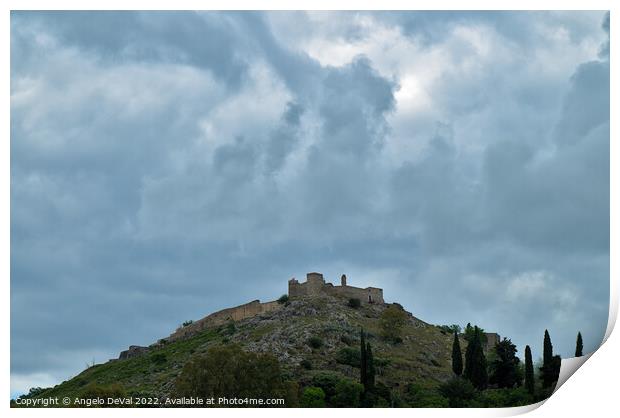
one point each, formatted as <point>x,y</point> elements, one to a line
<point>294,288</point>
<point>343,280</point>
<point>314,283</point>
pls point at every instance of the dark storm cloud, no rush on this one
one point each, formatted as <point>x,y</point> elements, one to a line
<point>203,40</point>
<point>284,138</point>
<point>165,165</point>
<point>604,50</point>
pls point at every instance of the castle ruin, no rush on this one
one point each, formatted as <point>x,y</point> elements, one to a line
<point>315,285</point>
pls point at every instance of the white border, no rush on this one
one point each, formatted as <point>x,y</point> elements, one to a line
<point>594,391</point>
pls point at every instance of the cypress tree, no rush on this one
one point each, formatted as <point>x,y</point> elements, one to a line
<point>469,358</point>
<point>457,357</point>
<point>547,366</point>
<point>476,362</point>
<point>469,331</point>
<point>556,364</point>
<point>370,372</point>
<point>579,347</point>
<point>529,370</point>
<point>480,376</point>
<point>363,358</point>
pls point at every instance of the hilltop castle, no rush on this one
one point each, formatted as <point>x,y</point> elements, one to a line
<point>315,285</point>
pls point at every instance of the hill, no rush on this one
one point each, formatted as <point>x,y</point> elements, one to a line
<point>306,349</point>
<point>308,335</point>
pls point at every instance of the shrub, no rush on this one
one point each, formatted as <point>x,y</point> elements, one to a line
<point>501,398</point>
<point>158,358</point>
<point>354,303</point>
<point>96,391</point>
<point>229,329</point>
<point>348,394</point>
<point>349,356</point>
<point>283,299</point>
<point>312,397</point>
<point>381,363</point>
<point>419,396</point>
<point>383,394</point>
<point>306,364</point>
<point>458,391</point>
<point>188,322</point>
<point>431,400</point>
<point>327,382</point>
<point>315,342</point>
<point>347,340</point>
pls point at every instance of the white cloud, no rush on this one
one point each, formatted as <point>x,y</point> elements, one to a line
<point>527,285</point>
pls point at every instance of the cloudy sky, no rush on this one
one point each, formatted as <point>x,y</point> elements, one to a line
<point>166,165</point>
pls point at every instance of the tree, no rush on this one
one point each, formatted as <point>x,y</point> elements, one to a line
<point>326,381</point>
<point>32,392</point>
<point>455,328</point>
<point>370,372</point>
<point>475,362</point>
<point>547,371</point>
<point>392,322</point>
<point>228,371</point>
<point>363,358</point>
<point>556,364</point>
<point>312,397</point>
<point>457,356</point>
<point>529,371</point>
<point>451,328</point>
<point>579,347</point>
<point>348,394</point>
<point>470,332</point>
<point>505,366</point>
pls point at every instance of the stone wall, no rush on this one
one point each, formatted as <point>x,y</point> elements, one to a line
<point>133,351</point>
<point>370,294</point>
<point>224,316</point>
